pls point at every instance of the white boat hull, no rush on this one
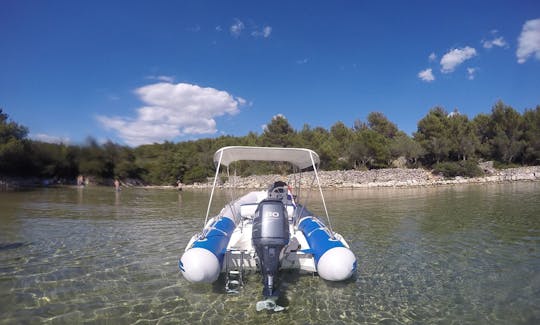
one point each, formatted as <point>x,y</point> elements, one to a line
<point>204,261</point>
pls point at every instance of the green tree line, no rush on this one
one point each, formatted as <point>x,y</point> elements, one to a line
<point>448,142</point>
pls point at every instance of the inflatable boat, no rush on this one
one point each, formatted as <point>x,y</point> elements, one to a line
<point>266,230</point>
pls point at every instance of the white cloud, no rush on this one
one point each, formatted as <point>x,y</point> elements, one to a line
<point>455,57</point>
<point>241,101</point>
<point>470,73</point>
<point>173,110</point>
<point>432,57</point>
<point>168,79</point>
<point>194,29</point>
<point>265,32</point>
<point>49,138</point>
<point>498,41</point>
<point>302,61</point>
<point>495,40</point>
<point>426,75</point>
<point>529,41</point>
<point>218,28</point>
<point>237,28</point>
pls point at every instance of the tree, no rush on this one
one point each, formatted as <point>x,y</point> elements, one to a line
<point>531,136</point>
<point>380,124</point>
<point>52,160</point>
<point>438,148</point>
<point>340,140</point>
<point>432,134</point>
<point>482,131</point>
<point>92,159</point>
<point>433,124</point>
<point>278,133</point>
<point>370,149</point>
<point>10,130</point>
<point>359,125</point>
<point>13,146</point>
<point>506,127</point>
<point>328,154</point>
<point>463,141</point>
<point>125,166</point>
<point>360,153</point>
<point>404,146</point>
<point>447,142</point>
<point>372,143</point>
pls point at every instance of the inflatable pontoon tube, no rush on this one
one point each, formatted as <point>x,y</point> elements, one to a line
<point>334,261</point>
<point>203,261</point>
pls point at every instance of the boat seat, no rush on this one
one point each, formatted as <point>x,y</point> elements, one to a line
<point>247,211</point>
<point>290,211</point>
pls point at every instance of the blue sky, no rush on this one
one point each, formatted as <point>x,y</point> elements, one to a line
<point>141,72</point>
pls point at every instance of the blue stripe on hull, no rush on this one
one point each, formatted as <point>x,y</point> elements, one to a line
<point>318,237</point>
<point>217,239</point>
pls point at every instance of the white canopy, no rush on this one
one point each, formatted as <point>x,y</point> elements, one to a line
<point>300,157</point>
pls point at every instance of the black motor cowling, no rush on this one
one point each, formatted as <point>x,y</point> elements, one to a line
<point>270,234</point>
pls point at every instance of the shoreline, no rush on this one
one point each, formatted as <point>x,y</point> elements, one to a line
<point>338,179</point>
<point>381,178</point>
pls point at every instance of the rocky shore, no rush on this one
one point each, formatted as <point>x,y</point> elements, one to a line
<point>346,179</point>
<point>16,183</point>
<point>390,177</point>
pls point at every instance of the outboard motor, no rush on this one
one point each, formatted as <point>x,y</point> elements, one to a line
<point>269,235</point>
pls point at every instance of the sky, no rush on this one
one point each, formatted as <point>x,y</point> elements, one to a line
<point>138,72</point>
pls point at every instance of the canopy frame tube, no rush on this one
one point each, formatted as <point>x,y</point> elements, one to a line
<point>300,158</point>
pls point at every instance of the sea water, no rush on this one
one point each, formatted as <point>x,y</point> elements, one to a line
<point>467,254</point>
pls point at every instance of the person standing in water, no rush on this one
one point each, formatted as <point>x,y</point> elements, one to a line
<point>179,185</point>
<point>80,180</point>
<point>116,184</point>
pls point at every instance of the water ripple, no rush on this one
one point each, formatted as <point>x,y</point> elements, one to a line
<point>465,254</point>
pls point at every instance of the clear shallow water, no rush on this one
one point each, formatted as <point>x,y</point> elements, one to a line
<point>467,254</point>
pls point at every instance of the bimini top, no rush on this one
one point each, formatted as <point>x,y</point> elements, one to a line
<point>300,157</point>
